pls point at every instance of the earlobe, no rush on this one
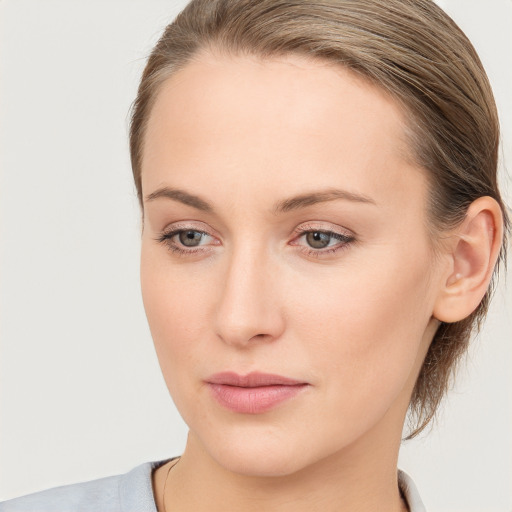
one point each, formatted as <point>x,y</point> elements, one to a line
<point>473,255</point>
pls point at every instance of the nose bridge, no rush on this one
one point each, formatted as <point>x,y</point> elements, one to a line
<point>247,305</point>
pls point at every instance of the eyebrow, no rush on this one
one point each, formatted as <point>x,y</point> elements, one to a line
<point>181,196</point>
<point>311,198</point>
<point>286,205</point>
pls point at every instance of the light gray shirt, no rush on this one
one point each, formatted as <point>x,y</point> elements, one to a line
<point>131,492</point>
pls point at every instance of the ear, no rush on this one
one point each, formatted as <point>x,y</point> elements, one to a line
<point>473,252</point>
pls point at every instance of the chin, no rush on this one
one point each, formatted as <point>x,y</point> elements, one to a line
<point>259,462</point>
<point>262,452</point>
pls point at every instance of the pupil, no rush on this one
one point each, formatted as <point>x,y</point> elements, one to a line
<point>318,240</point>
<point>190,238</point>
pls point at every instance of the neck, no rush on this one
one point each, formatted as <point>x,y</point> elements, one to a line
<point>361,477</point>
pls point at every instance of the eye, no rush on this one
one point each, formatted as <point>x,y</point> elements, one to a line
<point>190,238</point>
<point>318,239</point>
<point>186,240</point>
<point>320,242</point>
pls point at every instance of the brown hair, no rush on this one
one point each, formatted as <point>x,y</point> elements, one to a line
<point>412,49</point>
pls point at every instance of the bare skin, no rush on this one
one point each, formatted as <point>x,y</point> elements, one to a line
<point>244,156</point>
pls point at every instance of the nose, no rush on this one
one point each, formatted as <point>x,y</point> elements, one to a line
<point>248,309</point>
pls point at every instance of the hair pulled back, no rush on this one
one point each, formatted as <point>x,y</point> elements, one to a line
<point>410,48</point>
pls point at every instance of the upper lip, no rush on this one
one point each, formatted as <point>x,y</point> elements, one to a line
<point>251,380</point>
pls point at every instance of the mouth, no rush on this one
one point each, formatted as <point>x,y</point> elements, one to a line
<point>254,393</point>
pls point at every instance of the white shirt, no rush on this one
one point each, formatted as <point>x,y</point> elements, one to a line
<point>132,492</point>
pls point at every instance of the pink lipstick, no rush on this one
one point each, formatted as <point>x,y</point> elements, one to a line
<point>254,393</point>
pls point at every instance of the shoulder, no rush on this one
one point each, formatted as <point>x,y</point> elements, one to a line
<point>410,492</point>
<point>99,494</point>
<point>130,492</point>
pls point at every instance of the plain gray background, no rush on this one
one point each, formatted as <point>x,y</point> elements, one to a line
<point>80,387</point>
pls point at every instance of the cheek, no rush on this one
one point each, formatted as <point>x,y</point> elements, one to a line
<point>355,328</point>
<point>364,327</point>
<point>176,309</point>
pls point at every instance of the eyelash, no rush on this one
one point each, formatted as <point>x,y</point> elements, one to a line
<point>166,238</point>
<point>346,240</point>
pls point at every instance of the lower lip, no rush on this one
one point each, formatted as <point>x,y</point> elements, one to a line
<point>254,400</point>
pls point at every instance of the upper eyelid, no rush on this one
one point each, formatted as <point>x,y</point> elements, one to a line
<point>189,226</point>
<point>321,226</point>
<point>342,238</point>
<point>171,233</point>
<point>202,227</point>
<point>166,237</point>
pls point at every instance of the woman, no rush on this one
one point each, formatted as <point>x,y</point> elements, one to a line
<point>321,223</point>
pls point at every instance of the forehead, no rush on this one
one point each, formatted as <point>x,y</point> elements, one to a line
<point>281,119</point>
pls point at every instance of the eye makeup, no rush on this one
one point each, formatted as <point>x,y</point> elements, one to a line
<point>185,240</point>
<point>320,242</point>
<point>311,239</point>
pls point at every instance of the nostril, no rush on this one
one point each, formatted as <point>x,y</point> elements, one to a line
<point>260,336</point>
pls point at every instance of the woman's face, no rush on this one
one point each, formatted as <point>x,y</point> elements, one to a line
<point>285,233</point>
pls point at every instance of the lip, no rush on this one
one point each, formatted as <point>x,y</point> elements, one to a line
<point>253,393</point>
